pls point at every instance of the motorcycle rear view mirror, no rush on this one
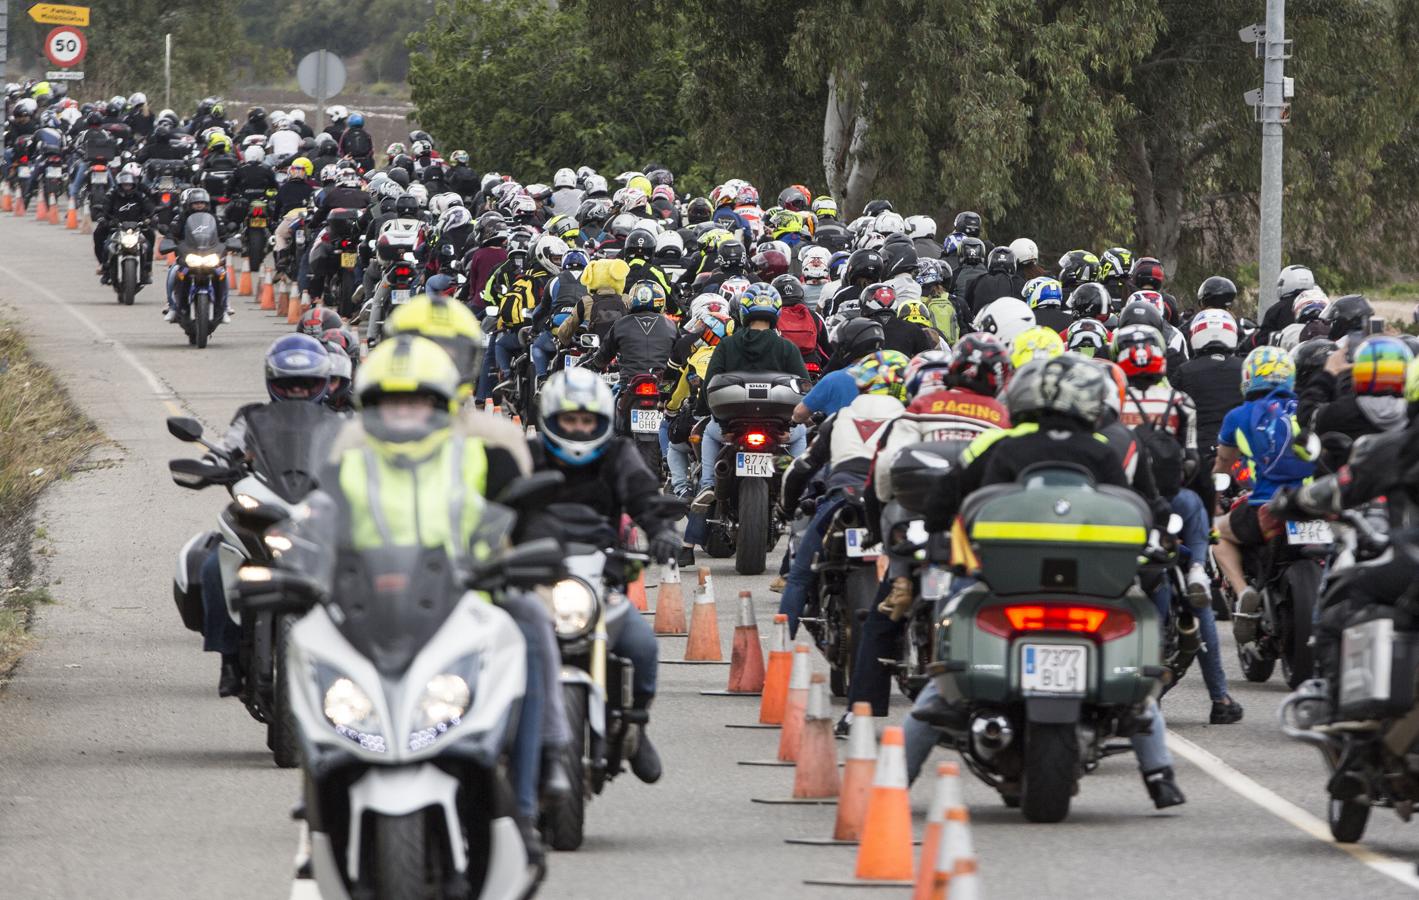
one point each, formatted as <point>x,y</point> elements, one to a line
<point>233,243</point>
<point>1175,524</point>
<point>167,246</point>
<point>185,429</point>
<point>197,474</point>
<point>262,515</point>
<point>1221,481</point>
<point>534,563</point>
<point>590,341</point>
<point>531,491</point>
<point>262,589</point>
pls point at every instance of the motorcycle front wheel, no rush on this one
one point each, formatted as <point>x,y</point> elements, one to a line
<point>402,867</point>
<point>128,282</point>
<point>564,823</point>
<point>200,319</point>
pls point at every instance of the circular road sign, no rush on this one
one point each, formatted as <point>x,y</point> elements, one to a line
<point>65,46</point>
<point>321,74</point>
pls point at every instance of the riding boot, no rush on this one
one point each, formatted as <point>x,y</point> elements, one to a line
<point>645,762</point>
<point>1163,788</point>
<point>230,683</point>
<point>556,784</point>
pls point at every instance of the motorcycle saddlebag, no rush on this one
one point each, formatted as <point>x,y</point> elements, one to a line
<point>754,395</point>
<point>918,469</point>
<point>187,585</point>
<point>1378,664</point>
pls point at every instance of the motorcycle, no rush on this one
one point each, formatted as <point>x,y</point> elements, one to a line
<point>847,586</point>
<point>344,238</point>
<point>639,412</point>
<point>19,175</point>
<point>127,246</point>
<point>53,185</point>
<point>1055,649</point>
<point>1288,575</point>
<point>755,410</point>
<point>288,442</point>
<point>201,306</point>
<point>404,711</point>
<point>395,249</point>
<point>255,232</point>
<point>1368,745</point>
<point>166,179</point>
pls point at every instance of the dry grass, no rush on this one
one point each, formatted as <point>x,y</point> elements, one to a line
<point>16,611</point>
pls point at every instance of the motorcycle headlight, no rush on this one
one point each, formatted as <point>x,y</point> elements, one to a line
<point>128,241</point>
<point>349,710</point>
<point>444,702</point>
<point>203,261</point>
<point>246,501</point>
<point>573,608</point>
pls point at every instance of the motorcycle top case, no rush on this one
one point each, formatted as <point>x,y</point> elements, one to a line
<point>1378,664</point>
<point>919,468</point>
<point>343,222</point>
<point>1075,539</point>
<point>754,395</point>
<point>397,237</point>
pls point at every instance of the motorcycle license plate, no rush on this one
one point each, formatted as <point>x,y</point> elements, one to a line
<point>644,421</point>
<point>53,172</point>
<point>398,297</point>
<point>935,582</point>
<point>857,547</point>
<point>98,178</point>
<point>754,465</point>
<point>258,223</point>
<point>24,171</point>
<point>300,237</point>
<point>1367,658</point>
<point>611,379</point>
<point>347,260</point>
<point>1312,532</point>
<point>166,183</point>
<point>1054,668</point>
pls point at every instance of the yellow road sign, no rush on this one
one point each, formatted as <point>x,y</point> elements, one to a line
<point>55,14</point>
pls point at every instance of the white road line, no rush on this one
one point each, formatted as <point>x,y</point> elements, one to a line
<point>155,384</point>
<point>1286,811</point>
<point>304,889</point>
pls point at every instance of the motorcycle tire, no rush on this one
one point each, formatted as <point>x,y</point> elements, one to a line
<point>1254,668</point>
<point>128,281</point>
<point>859,595</point>
<point>200,320</point>
<point>256,247</point>
<point>1347,819</point>
<point>1051,771</point>
<point>564,822</point>
<point>650,452</point>
<point>401,869</point>
<point>346,305</point>
<point>751,545</point>
<point>282,737</point>
<point>1303,588</point>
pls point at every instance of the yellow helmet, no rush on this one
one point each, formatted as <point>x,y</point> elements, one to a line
<point>407,366</point>
<point>220,140</point>
<point>605,275</point>
<point>642,184</point>
<point>914,311</point>
<point>1035,343</point>
<point>564,227</point>
<point>1411,381</point>
<point>447,323</point>
<point>305,165</point>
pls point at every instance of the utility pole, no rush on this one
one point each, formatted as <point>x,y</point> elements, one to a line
<point>1272,108</point>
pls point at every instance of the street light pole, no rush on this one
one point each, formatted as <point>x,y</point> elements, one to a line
<point>1273,111</point>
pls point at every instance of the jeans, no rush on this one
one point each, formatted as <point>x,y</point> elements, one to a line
<point>506,347</point>
<point>219,286</point>
<point>1196,524</point>
<point>677,457</point>
<point>485,378</point>
<point>871,681</point>
<point>637,643</point>
<point>801,577</point>
<point>713,442</point>
<point>81,169</point>
<point>544,350</point>
<point>219,633</point>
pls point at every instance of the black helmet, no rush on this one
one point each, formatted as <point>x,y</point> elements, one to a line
<point>732,256</point>
<point>94,120</point>
<point>406,206</point>
<point>1347,314</point>
<point>792,199</point>
<point>399,176</point>
<point>256,113</point>
<point>972,251</point>
<point>1217,292</point>
<point>875,207</point>
<point>859,337</point>
<point>699,211</point>
<point>640,244</point>
<point>1077,267</point>
<point>898,255</point>
<point>492,228</point>
<point>866,263</point>
<point>1141,313</point>
<point>594,211</point>
<point>789,288</point>
<point>1310,357</point>
<point>1090,300</point>
<point>968,223</point>
<point>1001,261</point>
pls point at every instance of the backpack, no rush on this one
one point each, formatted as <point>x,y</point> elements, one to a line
<point>605,310</point>
<point>943,316</point>
<point>1164,451</point>
<point>797,325</point>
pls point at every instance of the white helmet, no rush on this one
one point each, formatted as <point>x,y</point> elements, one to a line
<point>1025,251</point>
<point>565,178</point>
<point>138,99</point>
<point>576,389</point>
<point>419,193</point>
<point>297,115</point>
<point>1213,326</point>
<point>921,226</point>
<point>253,154</point>
<point>348,178</point>
<point>548,252</point>
<point>337,113</point>
<point>813,261</point>
<point>420,148</point>
<point>253,140</point>
<point>133,169</point>
<point>1005,318</point>
<point>595,184</point>
<point>670,243</point>
<point>1294,279</point>
<point>889,223</point>
<point>706,302</point>
<point>328,173</point>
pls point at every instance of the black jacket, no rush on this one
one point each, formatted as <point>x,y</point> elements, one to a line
<point>986,289</point>
<point>639,342</point>
<point>615,483</point>
<point>903,336</point>
<point>752,350</point>
<point>1214,383</point>
<point>120,206</point>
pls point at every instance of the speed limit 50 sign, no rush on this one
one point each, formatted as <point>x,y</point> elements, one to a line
<point>65,46</point>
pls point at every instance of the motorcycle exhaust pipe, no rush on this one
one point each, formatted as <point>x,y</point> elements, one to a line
<point>990,735</point>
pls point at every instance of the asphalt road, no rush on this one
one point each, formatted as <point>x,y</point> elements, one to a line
<point>123,775</point>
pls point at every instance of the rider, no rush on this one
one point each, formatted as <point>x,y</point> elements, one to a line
<point>356,143</point>
<point>641,340</point>
<point>127,202</point>
<point>194,201</point>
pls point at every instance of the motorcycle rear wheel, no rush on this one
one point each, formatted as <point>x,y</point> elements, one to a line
<point>1254,668</point>
<point>564,823</point>
<point>1302,587</point>
<point>1051,771</point>
<point>752,541</point>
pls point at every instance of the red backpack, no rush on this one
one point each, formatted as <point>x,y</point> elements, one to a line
<point>798,324</point>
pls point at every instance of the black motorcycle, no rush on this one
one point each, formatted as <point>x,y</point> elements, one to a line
<point>127,248</point>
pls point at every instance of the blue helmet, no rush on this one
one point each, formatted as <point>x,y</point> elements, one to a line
<point>297,368</point>
<point>356,120</point>
<point>439,284</point>
<point>760,301</point>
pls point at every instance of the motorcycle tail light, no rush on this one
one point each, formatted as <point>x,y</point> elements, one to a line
<point>1102,622</point>
<point>402,271</point>
<point>756,439</point>
<point>647,389</point>
<point>167,198</point>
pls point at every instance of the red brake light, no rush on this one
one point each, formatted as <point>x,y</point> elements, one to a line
<point>647,389</point>
<point>403,271</point>
<point>167,197</point>
<point>1104,622</point>
<point>812,366</point>
<point>756,439</point>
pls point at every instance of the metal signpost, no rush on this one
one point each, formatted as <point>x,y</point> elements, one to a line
<point>1272,105</point>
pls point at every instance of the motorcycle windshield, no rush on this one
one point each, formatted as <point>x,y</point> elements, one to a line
<point>289,443</point>
<point>393,600</point>
<point>202,234</point>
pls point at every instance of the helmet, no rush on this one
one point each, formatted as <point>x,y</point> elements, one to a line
<point>594,212</point>
<point>876,207</point>
<point>790,289</point>
<point>878,298</point>
<point>1005,318</point>
<point>421,148</point>
<point>927,372</point>
<point>698,211</point>
<point>1035,343</point>
<point>813,262</point>
<point>732,255</point>
<point>760,301</point>
<point>305,166</point>
<point>824,207</point>
<point>1142,314</point>
<point>889,222</point>
<point>932,271</point>
<point>1115,262</point>
<point>1213,330</point>
<point>706,302</point>
<point>1044,293</point>
<point>899,255</point>
<point>548,253</point>
<point>1217,292</point>
<point>407,367</point>
<point>575,260</point>
<point>921,227</point>
<point>1113,398</point>
<point>792,199</point>
<point>1001,260</point>
<point>979,363</point>
<point>137,99</point>
<point>1309,304</point>
<point>770,261</point>
<point>459,157</point>
<point>194,196</point>
<point>1293,280</point>
<point>297,368</point>
<point>575,390</point>
<point>126,179</point>
<point>565,178</point>
<point>25,107</point>
<point>519,244</point>
<point>253,154</point>
<point>967,223</point>
<point>972,251</point>
<point>342,373</point>
<point>1025,251</point>
<point>1066,385</point>
<point>882,372</point>
<point>712,325</point>
<point>858,337</point>
<point>1266,369</point>
<point>1349,313</point>
<point>1152,298</point>
<point>837,263</point>
<point>318,321</point>
<point>914,311</point>
<point>645,296</point>
<point>336,113</point>
<point>357,120</point>
<point>492,228</point>
<point>595,184</point>
<point>864,265</point>
<point>731,289</point>
<point>1147,273</point>
<point>1077,267</point>
<point>1140,350</point>
<point>219,143</point>
<point>347,178</point>
<point>1310,356</point>
<point>1086,337</point>
<point>1380,365</point>
<point>93,119</point>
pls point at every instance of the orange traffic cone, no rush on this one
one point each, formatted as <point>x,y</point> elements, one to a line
<point>266,295</point>
<point>669,604</point>
<point>280,299</point>
<point>947,796</point>
<point>857,775</point>
<point>815,776</point>
<point>796,704</point>
<point>635,592</point>
<point>776,676</point>
<point>7,202</point>
<point>40,210</point>
<point>703,645</point>
<point>294,310</point>
<point>884,857</point>
<point>746,655</point>
<point>71,218</point>
<point>955,867</point>
<point>19,205</point>
<point>53,216</point>
<point>244,279</point>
